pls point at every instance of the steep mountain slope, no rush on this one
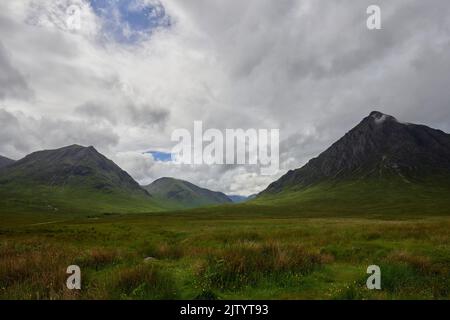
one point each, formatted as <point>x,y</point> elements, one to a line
<point>379,163</point>
<point>71,166</point>
<point>175,193</point>
<point>73,177</point>
<point>5,162</point>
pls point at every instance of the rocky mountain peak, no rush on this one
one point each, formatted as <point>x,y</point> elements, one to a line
<point>72,165</point>
<point>379,117</point>
<point>379,145</point>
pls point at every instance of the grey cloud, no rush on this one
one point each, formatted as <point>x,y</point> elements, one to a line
<point>147,116</point>
<point>132,114</point>
<point>96,111</point>
<point>11,138</point>
<point>12,82</point>
<point>21,134</point>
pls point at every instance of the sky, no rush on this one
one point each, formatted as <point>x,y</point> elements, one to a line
<point>136,70</point>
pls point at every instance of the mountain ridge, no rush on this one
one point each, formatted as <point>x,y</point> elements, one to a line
<point>379,145</point>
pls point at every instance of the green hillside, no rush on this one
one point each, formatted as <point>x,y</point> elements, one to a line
<point>71,179</point>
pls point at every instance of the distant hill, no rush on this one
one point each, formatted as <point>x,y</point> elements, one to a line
<point>75,178</point>
<point>175,193</point>
<point>237,198</point>
<point>5,162</point>
<point>241,199</point>
<point>381,164</point>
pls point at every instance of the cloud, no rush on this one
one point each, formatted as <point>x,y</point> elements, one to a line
<point>20,134</point>
<point>12,82</point>
<point>147,116</point>
<point>96,112</point>
<point>144,116</point>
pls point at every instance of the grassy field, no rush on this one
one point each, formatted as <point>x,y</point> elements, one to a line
<point>230,252</point>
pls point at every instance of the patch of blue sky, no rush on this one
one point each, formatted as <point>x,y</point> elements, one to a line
<point>160,156</point>
<point>130,21</point>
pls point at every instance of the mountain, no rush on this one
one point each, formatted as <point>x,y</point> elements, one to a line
<point>5,161</point>
<point>72,177</point>
<point>237,198</point>
<point>71,166</point>
<point>380,162</point>
<point>174,193</point>
<point>241,199</point>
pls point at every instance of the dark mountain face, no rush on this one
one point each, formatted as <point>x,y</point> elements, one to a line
<point>5,162</point>
<point>378,146</point>
<point>180,193</point>
<point>74,166</point>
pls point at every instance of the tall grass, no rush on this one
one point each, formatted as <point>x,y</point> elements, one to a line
<point>144,281</point>
<point>203,258</point>
<point>246,263</point>
<point>34,271</point>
